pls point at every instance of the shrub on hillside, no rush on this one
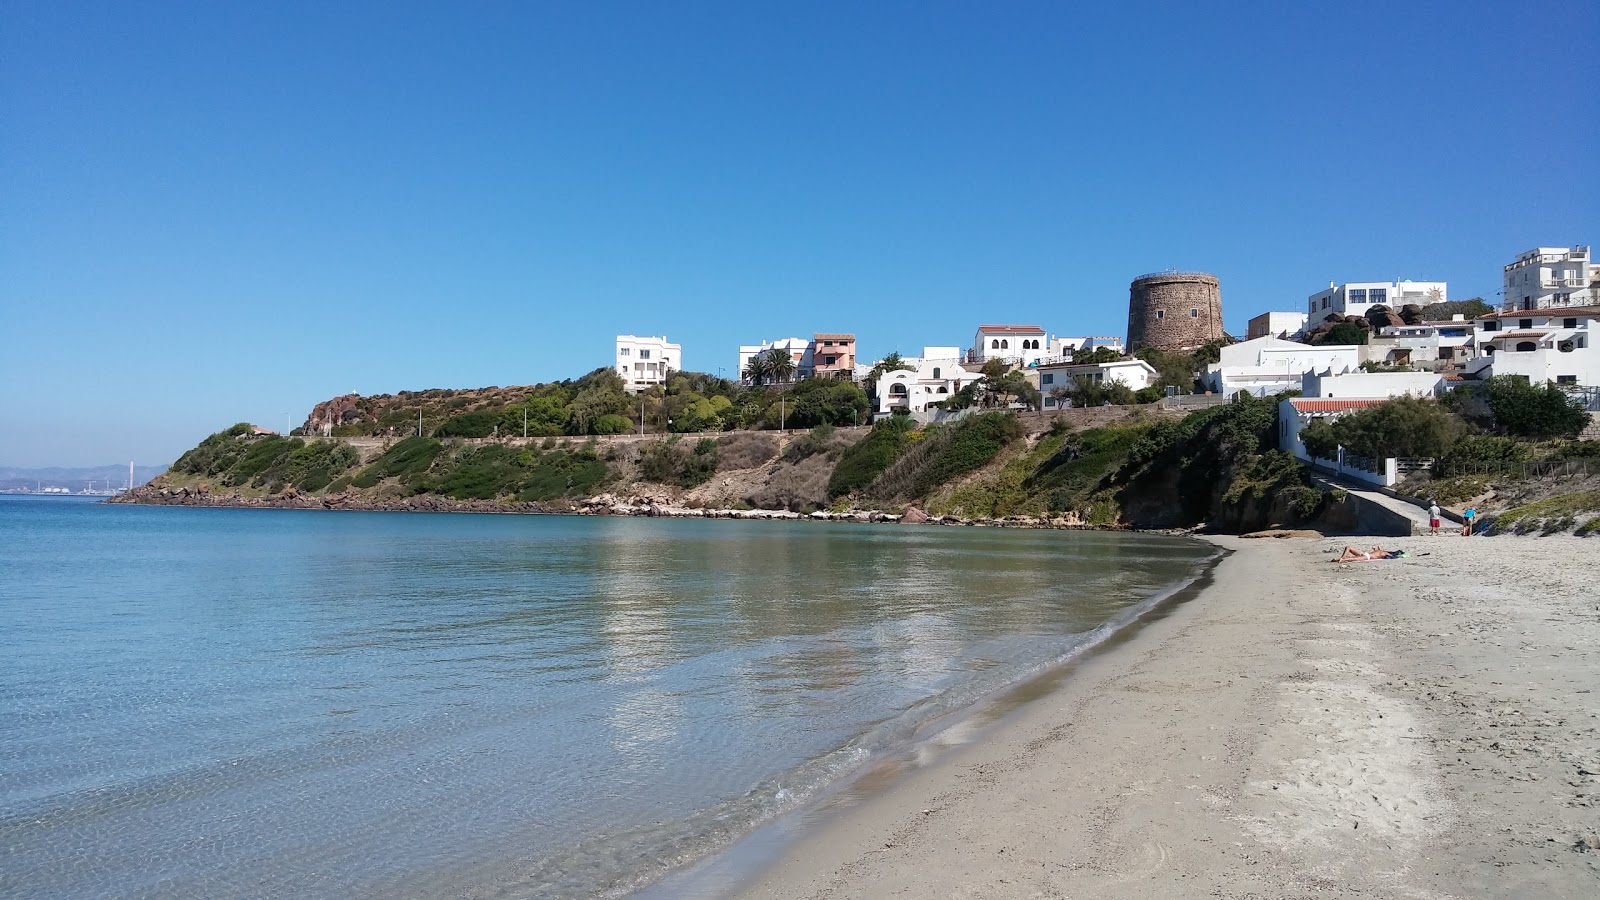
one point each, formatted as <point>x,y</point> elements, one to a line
<point>947,453</point>
<point>1402,427</point>
<point>746,451</point>
<point>1071,477</point>
<point>1480,453</point>
<point>405,460</point>
<point>669,462</point>
<point>1539,412</point>
<point>868,457</point>
<point>476,424</point>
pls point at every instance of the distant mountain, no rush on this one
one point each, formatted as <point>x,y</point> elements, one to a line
<point>76,478</point>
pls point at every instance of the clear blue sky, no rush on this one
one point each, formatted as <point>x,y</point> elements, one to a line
<point>222,212</point>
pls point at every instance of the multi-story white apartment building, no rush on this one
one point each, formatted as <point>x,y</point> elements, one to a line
<point>1552,345</point>
<point>1022,345</point>
<point>646,361</point>
<point>1355,298</point>
<point>1547,277</point>
<point>799,350</point>
<point>1435,346</point>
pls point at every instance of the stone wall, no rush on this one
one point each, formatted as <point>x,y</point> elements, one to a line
<point>1176,311</point>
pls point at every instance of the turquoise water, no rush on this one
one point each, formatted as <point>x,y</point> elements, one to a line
<point>251,703</point>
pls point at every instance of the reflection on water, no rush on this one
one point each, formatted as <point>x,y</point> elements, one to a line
<point>255,704</point>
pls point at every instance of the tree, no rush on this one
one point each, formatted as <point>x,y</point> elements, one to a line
<point>1444,312</point>
<point>1404,426</point>
<point>1094,392</point>
<point>891,363</point>
<point>780,364</point>
<point>758,369</point>
<point>1541,413</point>
<point>1095,356</point>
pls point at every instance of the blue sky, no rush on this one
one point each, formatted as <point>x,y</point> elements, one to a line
<point>221,212</point>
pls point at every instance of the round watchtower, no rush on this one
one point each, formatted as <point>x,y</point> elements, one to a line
<point>1174,311</point>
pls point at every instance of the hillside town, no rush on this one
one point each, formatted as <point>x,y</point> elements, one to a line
<point>1353,346</point>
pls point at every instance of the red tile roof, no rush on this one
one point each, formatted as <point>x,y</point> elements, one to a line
<point>1308,404</point>
<point>1498,336</point>
<point>1011,329</point>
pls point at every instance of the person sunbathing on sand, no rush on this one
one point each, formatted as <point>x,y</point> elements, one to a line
<point>1352,554</point>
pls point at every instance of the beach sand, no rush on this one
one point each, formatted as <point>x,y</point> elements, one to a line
<point>1426,728</point>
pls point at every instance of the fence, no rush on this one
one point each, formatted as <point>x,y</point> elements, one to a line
<point>1525,468</point>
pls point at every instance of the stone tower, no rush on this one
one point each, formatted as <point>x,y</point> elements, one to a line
<point>1174,311</point>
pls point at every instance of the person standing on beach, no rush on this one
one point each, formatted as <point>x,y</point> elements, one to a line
<point>1466,530</point>
<point>1433,517</point>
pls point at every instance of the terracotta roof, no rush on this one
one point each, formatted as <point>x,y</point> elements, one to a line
<point>1518,334</point>
<point>1308,404</point>
<point>1555,312</point>
<point>1011,329</point>
<point>819,336</point>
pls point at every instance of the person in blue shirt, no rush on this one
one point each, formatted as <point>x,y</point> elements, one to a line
<point>1466,530</point>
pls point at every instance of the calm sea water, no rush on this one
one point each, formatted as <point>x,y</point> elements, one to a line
<point>249,703</point>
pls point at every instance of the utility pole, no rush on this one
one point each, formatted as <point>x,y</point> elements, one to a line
<point>783,411</point>
<point>641,417</point>
<point>419,423</point>
<point>524,423</point>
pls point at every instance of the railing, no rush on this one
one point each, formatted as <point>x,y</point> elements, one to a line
<point>1526,468</point>
<point>1175,273</point>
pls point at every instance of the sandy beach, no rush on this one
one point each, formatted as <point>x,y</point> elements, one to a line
<point>1423,728</point>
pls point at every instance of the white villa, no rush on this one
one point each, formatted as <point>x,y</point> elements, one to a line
<point>1055,377</point>
<point>799,350</point>
<point>1547,277</point>
<point>1550,345</point>
<point>646,361</point>
<point>1268,365</point>
<point>1355,298</point>
<point>935,375</point>
<point>1021,345</point>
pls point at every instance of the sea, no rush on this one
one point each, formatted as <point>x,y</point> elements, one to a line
<point>279,703</point>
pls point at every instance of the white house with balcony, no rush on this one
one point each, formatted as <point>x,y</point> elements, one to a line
<point>1020,345</point>
<point>1269,365</point>
<point>1555,344</point>
<point>934,376</point>
<point>1355,298</point>
<point>798,350</point>
<point>646,361</point>
<point>1546,277</point>
<point>1062,378</point>
<point>1435,346</point>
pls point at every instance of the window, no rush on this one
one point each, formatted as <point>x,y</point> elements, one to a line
<point>1324,302</point>
<point>994,344</point>
<point>827,343</point>
<point>1569,323</point>
<point>1005,344</point>
<point>1524,323</point>
<point>1566,379</point>
<point>936,371</point>
<point>1378,295</point>
<point>829,360</point>
<point>1357,295</point>
<point>644,354</point>
<point>1491,325</point>
<point>1161,314</point>
<point>1194,312</point>
<point>625,351</point>
<point>1047,378</point>
<point>1526,346</point>
<point>1049,401</point>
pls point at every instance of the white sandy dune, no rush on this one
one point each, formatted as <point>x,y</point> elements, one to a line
<point>1419,728</point>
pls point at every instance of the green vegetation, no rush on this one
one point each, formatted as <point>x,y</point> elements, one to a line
<point>1404,427</point>
<point>1344,333</point>
<point>236,458</point>
<point>669,462</point>
<point>495,471</point>
<point>406,461</point>
<point>1074,476</point>
<point>1524,410</point>
<point>1443,312</point>
<point>1006,493</point>
<point>862,463</point>
<point>1552,515</point>
<point>945,453</point>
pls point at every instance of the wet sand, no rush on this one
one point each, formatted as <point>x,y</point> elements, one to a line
<point>1426,728</point>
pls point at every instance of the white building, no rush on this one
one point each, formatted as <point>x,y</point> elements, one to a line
<point>646,361</point>
<point>799,350</point>
<point>1286,325</point>
<point>1551,345</point>
<point>1355,298</point>
<point>1435,346</point>
<point>1057,377</point>
<point>1295,413</point>
<point>1020,345</point>
<point>1372,385</point>
<point>1268,365</point>
<point>934,376</point>
<point>1546,277</point>
<point>1062,348</point>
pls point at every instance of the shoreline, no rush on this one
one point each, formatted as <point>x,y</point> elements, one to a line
<point>1296,728</point>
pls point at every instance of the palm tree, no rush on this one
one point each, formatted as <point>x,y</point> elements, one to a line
<point>891,363</point>
<point>780,363</point>
<point>758,369</point>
